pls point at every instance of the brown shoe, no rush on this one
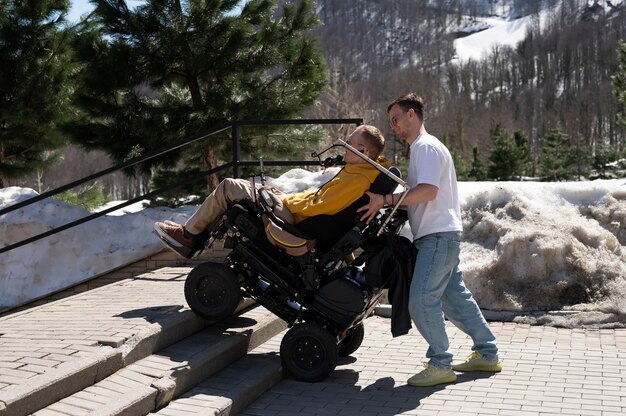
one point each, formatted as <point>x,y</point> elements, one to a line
<point>174,237</point>
<point>176,232</point>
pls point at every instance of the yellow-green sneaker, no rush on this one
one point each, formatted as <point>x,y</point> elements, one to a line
<point>476,362</point>
<point>431,376</point>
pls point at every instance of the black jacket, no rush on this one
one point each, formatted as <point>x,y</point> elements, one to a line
<point>389,263</point>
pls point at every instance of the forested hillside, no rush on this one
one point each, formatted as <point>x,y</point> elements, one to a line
<point>559,77</point>
<point>539,102</point>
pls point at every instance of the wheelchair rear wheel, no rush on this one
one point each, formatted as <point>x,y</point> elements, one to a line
<point>352,341</point>
<point>309,352</point>
<point>212,291</point>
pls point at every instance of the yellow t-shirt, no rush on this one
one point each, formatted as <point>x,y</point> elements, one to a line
<point>338,193</point>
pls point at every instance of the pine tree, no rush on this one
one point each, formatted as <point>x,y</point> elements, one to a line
<point>603,160</point>
<point>523,153</point>
<point>170,69</point>
<point>508,156</point>
<point>579,160</point>
<point>35,84</point>
<point>554,157</point>
<point>478,170</point>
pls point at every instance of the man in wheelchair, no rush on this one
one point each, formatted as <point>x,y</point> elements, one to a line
<point>294,255</point>
<point>337,194</point>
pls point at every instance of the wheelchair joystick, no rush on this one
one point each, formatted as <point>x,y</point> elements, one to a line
<point>265,198</point>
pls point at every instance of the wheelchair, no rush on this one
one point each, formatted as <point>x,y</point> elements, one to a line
<point>311,275</point>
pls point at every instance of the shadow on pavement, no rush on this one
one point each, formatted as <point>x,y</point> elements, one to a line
<point>153,314</point>
<point>340,391</point>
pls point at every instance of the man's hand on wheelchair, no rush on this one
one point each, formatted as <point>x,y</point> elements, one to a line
<point>371,209</point>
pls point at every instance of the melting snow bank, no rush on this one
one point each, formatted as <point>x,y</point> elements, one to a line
<point>540,253</point>
<point>532,247</point>
<point>71,256</point>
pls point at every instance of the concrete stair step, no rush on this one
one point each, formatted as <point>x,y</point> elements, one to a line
<point>233,389</point>
<point>229,391</point>
<point>153,382</point>
<point>98,362</point>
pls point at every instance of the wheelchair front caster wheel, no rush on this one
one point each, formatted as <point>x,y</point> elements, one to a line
<point>352,341</point>
<point>309,352</point>
<point>212,291</point>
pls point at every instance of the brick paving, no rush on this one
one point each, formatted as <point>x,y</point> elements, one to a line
<point>547,371</point>
<point>36,340</point>
<point>55,349</point>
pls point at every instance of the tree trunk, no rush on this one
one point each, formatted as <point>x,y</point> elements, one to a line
<point>194,90</point>
<point>209,162</point>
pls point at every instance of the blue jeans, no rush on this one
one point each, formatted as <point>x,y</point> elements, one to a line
<point>437,288</point>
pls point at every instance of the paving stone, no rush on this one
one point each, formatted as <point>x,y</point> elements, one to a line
<point>563,376</point>
<point>547,370</point>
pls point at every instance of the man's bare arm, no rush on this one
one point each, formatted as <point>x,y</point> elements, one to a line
<point>421,193</point>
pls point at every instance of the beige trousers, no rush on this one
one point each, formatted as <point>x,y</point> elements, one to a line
<point>216,204</point>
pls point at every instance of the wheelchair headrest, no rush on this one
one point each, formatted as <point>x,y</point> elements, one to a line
<point>383,184</point>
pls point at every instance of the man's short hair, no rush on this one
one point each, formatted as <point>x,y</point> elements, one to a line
<point>410,100</point>
<point>374,138</point>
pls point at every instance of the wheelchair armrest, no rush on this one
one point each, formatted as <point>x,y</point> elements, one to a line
<point>265,199</point>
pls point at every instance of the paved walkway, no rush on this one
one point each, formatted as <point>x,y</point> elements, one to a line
<point>547,371</point>
<point>55,348</point>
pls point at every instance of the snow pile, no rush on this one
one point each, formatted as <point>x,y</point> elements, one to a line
<point>527,248</point>
<point>72,256</point>
<point>547,246</point>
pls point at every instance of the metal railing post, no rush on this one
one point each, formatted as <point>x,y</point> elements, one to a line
<point>236,137</point>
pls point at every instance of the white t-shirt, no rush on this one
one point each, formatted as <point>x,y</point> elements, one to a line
<point>430,162</point>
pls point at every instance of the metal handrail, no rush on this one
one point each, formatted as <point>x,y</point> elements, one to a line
<point>124,165</point>
<point>235,164</point>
